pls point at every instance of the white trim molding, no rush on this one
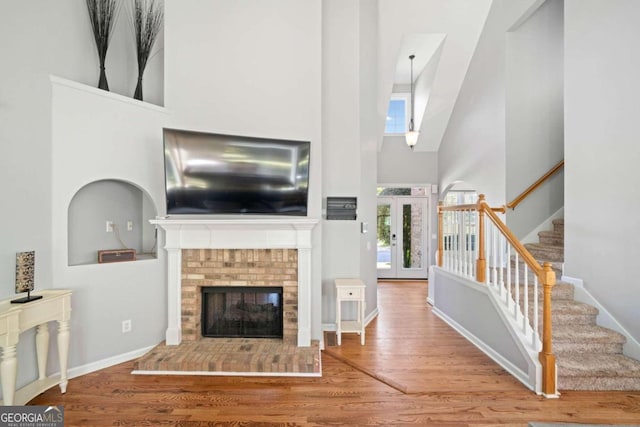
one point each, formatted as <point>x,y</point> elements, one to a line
<point>188,232</point>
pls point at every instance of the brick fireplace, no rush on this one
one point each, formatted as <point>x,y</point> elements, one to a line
<point>238,268</point>
<point>237,252</point>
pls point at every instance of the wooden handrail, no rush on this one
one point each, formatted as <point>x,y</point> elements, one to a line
<point>545,274</point>
<point>470,207</point>
<point>515,202</point>
<point>547,278</point>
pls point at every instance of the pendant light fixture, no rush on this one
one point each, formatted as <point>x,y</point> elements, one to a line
<point>412,135</point>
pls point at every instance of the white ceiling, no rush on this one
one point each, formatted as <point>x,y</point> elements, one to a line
<point>450,29</point>
<point>423,46</point>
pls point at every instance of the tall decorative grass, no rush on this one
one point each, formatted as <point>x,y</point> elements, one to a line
<point>102,15</point>
<point>147,22</point>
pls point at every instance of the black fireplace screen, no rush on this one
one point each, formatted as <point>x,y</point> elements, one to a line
<point>248,312</point>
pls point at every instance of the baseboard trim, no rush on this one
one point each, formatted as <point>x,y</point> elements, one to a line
<point>605,318</point>
<point>106,363</point>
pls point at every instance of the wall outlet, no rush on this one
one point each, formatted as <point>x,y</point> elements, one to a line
<point>109,226</point>
<point>129,225</point>
<point>126,326</point>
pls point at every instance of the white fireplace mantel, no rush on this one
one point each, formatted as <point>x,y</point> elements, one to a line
<point>236,233</point>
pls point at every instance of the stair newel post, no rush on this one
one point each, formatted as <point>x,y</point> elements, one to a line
<point>440,235</point>
<point>481,262</point>
<point>547,359</point>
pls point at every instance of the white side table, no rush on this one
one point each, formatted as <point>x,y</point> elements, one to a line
<point>350,290</point>
<point>55,305</point>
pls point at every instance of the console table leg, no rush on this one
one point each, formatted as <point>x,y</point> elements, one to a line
<point>42,349</point>
<point>63,352</point>
<point>8,371</point>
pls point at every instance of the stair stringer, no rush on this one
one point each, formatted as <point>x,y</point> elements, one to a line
<point>632,347</point>
<point>453,295</point>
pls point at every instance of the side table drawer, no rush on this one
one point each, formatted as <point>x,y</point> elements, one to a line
<point>350,293</point>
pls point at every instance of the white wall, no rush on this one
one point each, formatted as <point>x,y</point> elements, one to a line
<point>397,164</point>
<point>602,196</point>
<point>92,141</point>
<point>473,147</point>
<point>535,115</point>
<point>253,68</point>
<point>340,142</point>
<point>368,148</point>
<point>38,39</point>
<point>349,120</point>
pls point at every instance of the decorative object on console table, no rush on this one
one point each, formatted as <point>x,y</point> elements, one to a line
<point>147,21</point>
<point>25,271</point>
<point>103,15</point>
<point>116,255</point>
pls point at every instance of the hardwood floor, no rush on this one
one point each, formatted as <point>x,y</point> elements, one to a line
<point>413,370</point>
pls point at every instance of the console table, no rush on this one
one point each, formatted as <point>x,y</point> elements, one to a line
<point>350,290</point>
<point>55,305</point>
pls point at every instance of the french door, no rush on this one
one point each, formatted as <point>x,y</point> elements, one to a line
<point>402,237</point>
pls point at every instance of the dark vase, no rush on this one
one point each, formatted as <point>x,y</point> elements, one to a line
<point>102,83</point>
<point>138,93</point>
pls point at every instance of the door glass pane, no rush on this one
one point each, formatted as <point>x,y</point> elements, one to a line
<point>412,235</point>
<point>384,236</point>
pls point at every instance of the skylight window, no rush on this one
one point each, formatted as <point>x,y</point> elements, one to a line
<point>397,121</point>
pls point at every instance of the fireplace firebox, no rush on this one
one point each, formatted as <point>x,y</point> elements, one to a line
<point>242,312</point>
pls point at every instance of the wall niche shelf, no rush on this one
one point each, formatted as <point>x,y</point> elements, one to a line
<point>110,214</point>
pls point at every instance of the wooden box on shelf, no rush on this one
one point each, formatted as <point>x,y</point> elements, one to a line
<point>116,255</point>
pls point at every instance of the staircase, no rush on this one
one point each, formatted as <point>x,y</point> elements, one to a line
<point>588,356</point>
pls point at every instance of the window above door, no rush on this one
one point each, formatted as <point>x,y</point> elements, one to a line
<point>397,121</point>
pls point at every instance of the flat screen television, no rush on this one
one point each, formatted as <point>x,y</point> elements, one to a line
<point>209,173</point>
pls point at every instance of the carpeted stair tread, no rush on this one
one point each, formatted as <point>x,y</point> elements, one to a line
<point>571,312</point>
<point>592,333</point>
<point>573,307</point>
<point>598,365</point>
<point>546,252</point>
<point>570,339</point>
<point>552,238</point>
<point>558,225</point>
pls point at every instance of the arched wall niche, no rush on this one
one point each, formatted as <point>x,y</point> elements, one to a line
<point>122,203</point>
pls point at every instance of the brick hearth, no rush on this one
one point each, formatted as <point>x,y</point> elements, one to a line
<point>238,267</point>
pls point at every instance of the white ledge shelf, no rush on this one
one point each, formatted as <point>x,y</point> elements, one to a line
<point>55,80</point>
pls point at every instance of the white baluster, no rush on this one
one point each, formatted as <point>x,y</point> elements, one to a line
<point>509,284</point>
<point>487,248</point>
<point>502,242</point>
<point>494,256</point>
<point>517,286</point>
<point>525,318</point>
<point>535,339</point>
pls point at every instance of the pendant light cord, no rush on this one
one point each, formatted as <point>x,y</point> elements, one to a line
<point>411,120</point>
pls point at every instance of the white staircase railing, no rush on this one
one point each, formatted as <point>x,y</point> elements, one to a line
<point>474,243</point>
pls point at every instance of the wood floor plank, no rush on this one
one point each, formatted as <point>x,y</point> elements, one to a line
<point>448,383</point>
